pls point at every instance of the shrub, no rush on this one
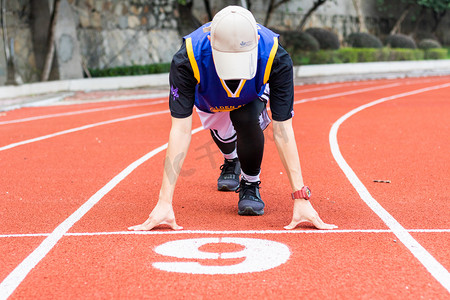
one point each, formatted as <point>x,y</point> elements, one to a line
<point>424,35</point>
<point>363,40</point>
<point>301,58</point>
<point>383,54</point>
<point>367,54</point>
<point>436,53</point>
<point>347,55</point>
<point>405,54</point>
<point>400,41</point>
<point>353,55</point>
<point>131,70</point>
<point>429,44</point>
<point>295,41</point>
<point>327,40</point>
<point>320,57</point>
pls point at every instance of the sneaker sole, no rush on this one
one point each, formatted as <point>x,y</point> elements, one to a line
<point>248,211</point>
<point>225,188</point>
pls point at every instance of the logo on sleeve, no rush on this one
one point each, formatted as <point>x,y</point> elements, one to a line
<point>174,92</point>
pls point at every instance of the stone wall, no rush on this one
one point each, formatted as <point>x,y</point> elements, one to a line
<point>19,42</point>
<point>122,33</point>
<point>338,15</point>
<point>109,33</point>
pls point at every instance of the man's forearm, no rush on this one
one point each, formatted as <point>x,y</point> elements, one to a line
<point>287,149</point>
<point>179,140</point>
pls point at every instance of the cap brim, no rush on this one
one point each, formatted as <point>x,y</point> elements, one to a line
<point>236,65</point>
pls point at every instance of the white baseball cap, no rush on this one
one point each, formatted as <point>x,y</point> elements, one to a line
<point>234,42</point>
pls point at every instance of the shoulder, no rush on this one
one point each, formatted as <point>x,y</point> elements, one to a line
<point>282,68</point>
<point>197,41</point>
<point>283,57</point>
<point>266,32</point>
<point>181,56</point>
<point>181,71</point>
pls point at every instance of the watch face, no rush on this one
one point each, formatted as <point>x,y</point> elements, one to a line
<point>307,192</point>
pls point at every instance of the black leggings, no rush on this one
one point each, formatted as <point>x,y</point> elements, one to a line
<point>250,137</point>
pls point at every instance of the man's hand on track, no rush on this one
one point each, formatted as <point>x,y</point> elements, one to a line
<point>162,214</point>
<point>304,212</point>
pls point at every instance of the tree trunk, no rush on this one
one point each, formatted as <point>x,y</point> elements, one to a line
<point>269,12</point>
<point>438,17</point>
<point>51,43</point>
<point>187,22</point>
<point>362,23</point>
<point>271,8</point>
<point>208,9</point>
<point>423,10</point>
<point>397,26</point>
<point>5,35</point>
<point>316,5</point>
<point>248,4</point>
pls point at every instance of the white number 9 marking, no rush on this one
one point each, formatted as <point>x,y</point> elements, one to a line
<point>260,255</point>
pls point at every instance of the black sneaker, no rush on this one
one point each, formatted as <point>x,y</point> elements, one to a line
<point>250,203</point>
<point>229,177</point>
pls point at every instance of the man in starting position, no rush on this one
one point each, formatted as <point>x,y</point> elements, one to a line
<point>225,69</point>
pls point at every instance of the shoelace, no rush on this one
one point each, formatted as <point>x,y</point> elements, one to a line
<point>228,167</point>
<point>249,188</point>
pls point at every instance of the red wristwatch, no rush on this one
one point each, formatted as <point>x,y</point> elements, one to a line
<point>304,193</point>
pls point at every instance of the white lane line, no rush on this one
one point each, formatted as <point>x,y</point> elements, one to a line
<point>352,92</point>
<point>81,128</point>
<point>147,96</point>
<point>166,111</point>
<point>328,87</point>
<point>219,232</point>
<point>81,112</point>
<point>368,89</point>
<point>12,281</point>
<point>373,82</point>
<point>427,260</point>
<point>163,101</point>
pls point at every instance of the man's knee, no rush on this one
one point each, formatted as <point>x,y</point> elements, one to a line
<point>247,116</point>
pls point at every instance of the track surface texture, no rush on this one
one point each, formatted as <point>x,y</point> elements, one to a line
<point>76,174</point>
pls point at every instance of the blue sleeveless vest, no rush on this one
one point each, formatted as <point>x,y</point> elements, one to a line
<point>211,93</point>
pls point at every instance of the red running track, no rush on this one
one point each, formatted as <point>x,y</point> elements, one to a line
<point>74,177</point>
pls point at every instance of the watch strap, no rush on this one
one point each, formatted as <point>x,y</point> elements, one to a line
<point>303,193</point>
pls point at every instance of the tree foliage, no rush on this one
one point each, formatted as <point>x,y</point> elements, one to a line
<point>438,6</point>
